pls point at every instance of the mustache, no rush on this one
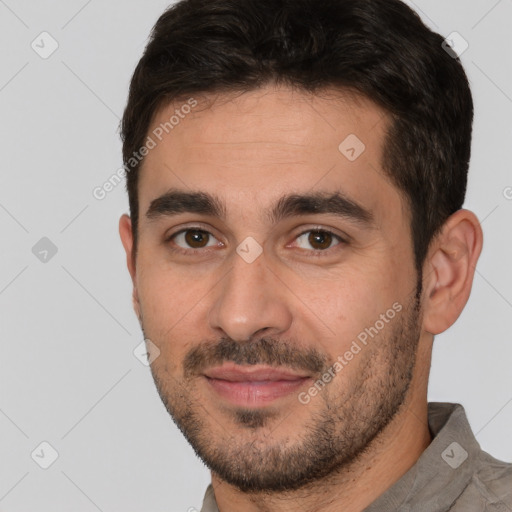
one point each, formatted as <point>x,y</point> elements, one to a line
<point>266,351</point>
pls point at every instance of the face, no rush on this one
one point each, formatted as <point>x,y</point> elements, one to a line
<point>275,274</point>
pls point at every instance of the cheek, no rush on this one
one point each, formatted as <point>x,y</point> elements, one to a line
<point>164,290</point>
<point>335,311</point>
<point>168,301</point>
<point>175,302</point>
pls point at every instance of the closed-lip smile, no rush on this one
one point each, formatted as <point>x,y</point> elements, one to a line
<point>253,385</point>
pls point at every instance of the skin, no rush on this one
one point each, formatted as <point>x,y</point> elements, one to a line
<point>249,150</point>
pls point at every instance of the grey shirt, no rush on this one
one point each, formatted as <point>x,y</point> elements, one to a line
<point>453,473</point>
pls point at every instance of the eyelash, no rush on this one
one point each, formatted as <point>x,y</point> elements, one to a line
<point>318,253</point>
<point>315,252</point>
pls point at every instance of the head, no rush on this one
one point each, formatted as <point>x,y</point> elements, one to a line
<point>296,172</point>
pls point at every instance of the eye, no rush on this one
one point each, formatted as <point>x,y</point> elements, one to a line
<point>194,239</point>
<point>318,239</point>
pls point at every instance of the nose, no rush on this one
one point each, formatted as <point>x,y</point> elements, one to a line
<point>250,300</point>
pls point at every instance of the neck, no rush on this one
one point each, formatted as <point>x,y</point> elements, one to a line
<point>389,456</point>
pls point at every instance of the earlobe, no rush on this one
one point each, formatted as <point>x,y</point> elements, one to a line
<point>450,270</point>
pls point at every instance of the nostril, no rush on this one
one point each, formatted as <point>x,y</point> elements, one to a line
<point>261,331</point>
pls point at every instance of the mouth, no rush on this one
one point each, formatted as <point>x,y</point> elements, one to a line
<point>253,386</point>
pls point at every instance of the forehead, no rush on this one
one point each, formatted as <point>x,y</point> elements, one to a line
<point>253,147</point>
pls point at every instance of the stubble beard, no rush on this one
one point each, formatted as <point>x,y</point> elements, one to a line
<point>333,438</point>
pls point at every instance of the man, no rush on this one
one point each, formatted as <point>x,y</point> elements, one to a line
<point>296,171</point>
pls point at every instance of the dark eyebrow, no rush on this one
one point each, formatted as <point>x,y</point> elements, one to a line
<point>175,202</point>
<point>338,204</point>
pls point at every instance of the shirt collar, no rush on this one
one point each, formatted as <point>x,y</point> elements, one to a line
<point>437,478</point>
<point>443,470</point>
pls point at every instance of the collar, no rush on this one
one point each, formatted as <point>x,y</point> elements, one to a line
<point>437,478</point>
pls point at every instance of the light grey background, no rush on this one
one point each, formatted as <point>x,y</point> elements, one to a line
<point>68,375</point>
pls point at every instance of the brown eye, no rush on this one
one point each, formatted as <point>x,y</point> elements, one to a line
<point>193,239</point>
<point>317,240</point>
<point>320,239</point>
<point>196,239</point>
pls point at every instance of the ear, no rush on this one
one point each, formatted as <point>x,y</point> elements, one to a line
<point>126,234</point>
<point>449,270</point>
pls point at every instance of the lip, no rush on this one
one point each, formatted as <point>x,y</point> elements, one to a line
<point>253,386</point>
